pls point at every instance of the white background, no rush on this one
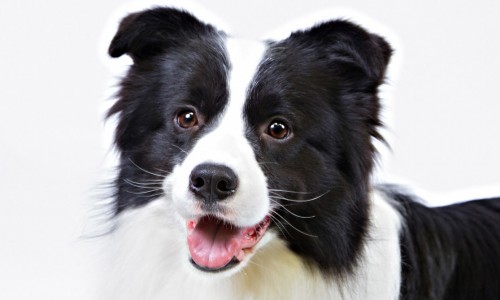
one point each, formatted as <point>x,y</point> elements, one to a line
<point>443,111</point>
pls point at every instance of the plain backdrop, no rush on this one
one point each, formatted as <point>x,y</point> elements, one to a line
<point>442,110</point>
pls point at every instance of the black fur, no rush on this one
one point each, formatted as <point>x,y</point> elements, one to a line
<point>449,252</point>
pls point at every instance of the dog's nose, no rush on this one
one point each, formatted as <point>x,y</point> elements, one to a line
<point>212,182</point>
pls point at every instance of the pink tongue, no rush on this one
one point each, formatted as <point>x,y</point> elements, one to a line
<point>213,244</point>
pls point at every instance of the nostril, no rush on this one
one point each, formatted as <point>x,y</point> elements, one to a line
<point>197,182</point>
<point>224,186</point>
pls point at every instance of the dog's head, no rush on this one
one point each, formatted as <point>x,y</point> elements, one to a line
<point>250,140</point>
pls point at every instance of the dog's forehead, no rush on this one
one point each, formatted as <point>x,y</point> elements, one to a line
<point>244,57</point>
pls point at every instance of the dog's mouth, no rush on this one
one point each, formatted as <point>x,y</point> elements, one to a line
<point>216,245</point>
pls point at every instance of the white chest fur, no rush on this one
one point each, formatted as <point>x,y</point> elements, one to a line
<point>148,260</point>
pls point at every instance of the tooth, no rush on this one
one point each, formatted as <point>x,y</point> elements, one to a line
<point>250,234</point>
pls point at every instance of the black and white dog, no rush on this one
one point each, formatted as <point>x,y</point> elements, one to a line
<point>245,174</point>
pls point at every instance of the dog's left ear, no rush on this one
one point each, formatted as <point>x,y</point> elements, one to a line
<point>383,53</point>
<point>348,42</point>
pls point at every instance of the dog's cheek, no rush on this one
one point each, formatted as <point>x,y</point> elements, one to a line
<point>251,204</point>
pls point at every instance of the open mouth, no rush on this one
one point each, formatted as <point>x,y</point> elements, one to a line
<point>216,245</point>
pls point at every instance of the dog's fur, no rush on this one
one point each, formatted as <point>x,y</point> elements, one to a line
<point>291,124</point>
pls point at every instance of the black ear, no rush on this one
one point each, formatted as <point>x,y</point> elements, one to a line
<point>346,40</point>
<point>149,32</point>
<point>382,52</point>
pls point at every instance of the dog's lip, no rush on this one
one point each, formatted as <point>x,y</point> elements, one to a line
<point>232,263</point>
<point>231,243</point>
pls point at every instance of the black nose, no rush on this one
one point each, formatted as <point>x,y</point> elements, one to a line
<point>211,182</point>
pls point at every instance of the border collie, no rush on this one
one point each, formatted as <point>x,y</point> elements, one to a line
<point>245,173</point>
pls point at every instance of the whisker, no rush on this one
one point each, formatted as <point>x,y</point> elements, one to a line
<point>164,171</point>
<point>280,226</point>
<point>179,148</point>
<point>298,230</point>
<point>154,174</point>
<point>290,192</point>
<point>144,185</point>
<point>144,192</point>
<point>148,180</point>
<point>151,196</point>
<point>151,188</point>
<point>300,201</point>
<point>290,212</point>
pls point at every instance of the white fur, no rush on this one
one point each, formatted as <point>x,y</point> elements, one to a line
<point>149,260</point>
<point>383,257</point>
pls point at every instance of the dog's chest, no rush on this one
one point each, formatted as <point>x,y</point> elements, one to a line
<point>149,261</point>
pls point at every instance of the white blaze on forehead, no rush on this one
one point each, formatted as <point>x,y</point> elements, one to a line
<point>227,145</point>
<point>244,57</point>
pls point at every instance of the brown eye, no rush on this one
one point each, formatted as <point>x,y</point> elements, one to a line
<point>278,130</point>
<point>187,119</point>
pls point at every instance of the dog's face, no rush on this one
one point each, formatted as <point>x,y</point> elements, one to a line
<point>249,141</point>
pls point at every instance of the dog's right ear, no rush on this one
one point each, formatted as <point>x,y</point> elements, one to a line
<point>150,32</point>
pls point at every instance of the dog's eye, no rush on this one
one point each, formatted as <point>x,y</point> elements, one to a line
<point>278,130</point>
<point>187,119</point>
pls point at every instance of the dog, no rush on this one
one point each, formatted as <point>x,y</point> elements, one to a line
<point>245,173</point>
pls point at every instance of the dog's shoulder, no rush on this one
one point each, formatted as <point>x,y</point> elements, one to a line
<point>448,252</point>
